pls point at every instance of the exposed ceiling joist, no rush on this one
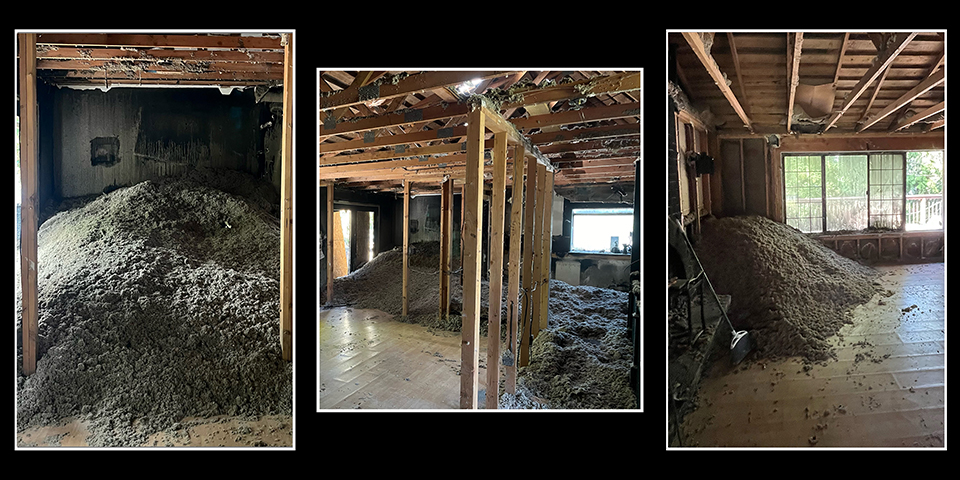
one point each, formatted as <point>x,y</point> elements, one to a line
<point>924,86</point>
<point>696,43</point>
<point>794,48</point>
<point>405,86</point>
<point>884,59</point>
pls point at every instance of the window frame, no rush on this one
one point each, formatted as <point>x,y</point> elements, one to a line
<point>871,155</point>
<point>628,212</point>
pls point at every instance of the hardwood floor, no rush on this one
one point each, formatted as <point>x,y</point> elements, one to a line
<point>368,360</point>
<point>886,389</point>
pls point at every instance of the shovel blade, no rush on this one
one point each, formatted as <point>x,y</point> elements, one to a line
<point>740,346</point>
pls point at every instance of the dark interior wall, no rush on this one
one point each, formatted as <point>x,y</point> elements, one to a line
<point>105,140</point>
<point>45,169</point>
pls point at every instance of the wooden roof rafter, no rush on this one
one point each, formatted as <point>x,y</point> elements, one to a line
<point>883,60</point>
<point>696,44</point>
<point>794,49</point>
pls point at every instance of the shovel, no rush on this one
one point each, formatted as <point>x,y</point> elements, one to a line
<point>741,343</point>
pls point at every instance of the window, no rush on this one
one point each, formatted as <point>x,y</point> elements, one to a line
<point>884,190</point>
<point>602,230</point>
<point>924,190</point>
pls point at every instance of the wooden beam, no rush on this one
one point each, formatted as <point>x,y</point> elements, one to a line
<point>883,60</point>
<point>446,245</point>
<point>160,41</point>
<point>843,51</point>
<point>529,220</point>
<point>903,111</point>
<point>392,154</point>
<point>429,114</point>
<point>920,116</point>
<point>497,208</point>
<point>471,240</point>
<point>696,43</point>
<point>583,115</point>
<point>153,55</point>
<point>876,90</point>
<point>736,67</point>
<point>536,304</point>
<point>407,86</point>
<point>794,48</point>
<point>924,86</point>
<point>581,134</point>
<point>546,241</point>
<point>29,202</point>
<point>590,87</point>
<point>513,282</point>
<point>406,245</point>
<point>330,243</point>
<point>286,215</point>
<point>391,140</point>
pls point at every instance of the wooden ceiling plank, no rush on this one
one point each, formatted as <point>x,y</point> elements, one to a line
<point>696,43</point>
<point>884,59</point>
<point>159,41</point>
<point>421,82</point>
<point>936,65</point>
<point>923,87</point>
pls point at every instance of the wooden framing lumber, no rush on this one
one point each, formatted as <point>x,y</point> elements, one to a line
<point>29,202</point>
<point>471,241</point>
<point>406,245</point>
<point>794,48</point>
<point>407,86</point>
<point>429,114</point>
<point>696,44</point>
<point>610,84</point>
<point>329,254</point>
<point>178,40</point>
<point>497,207</point>
<point>546,239</point>
<point>924,86</point>
<point>529,219</point>
<point>609,112</point>
<point>446,245</point>
<point>884,59</point>
<point>513,282</point>
<point>286,214</point>
<point>536,310</point>
<point>920,116</point>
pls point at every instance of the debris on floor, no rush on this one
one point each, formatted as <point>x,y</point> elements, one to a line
<point>582,360</point>
<point>157,302</point>
<point>789,291</point>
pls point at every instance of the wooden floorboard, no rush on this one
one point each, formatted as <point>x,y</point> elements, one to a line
<point>885,389</point>
<point>369,360</point>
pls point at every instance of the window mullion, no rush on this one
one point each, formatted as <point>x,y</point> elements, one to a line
<point>823,191</point>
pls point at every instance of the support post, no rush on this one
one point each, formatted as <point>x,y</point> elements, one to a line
<point>513,283</point>
<point>536,310</point>
<point>497,206</point>
<point>546,240</point>
<point>529,218</point>
<point>446,245</point>
<point>473,211</point>
<point>286,215</point>
<point>330,243</point>
<point>406,243</point>
<point>28,200</point>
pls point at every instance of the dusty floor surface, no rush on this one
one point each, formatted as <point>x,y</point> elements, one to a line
<point>883,387</point>
<point>581,361</point>
<point>158,302</point>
